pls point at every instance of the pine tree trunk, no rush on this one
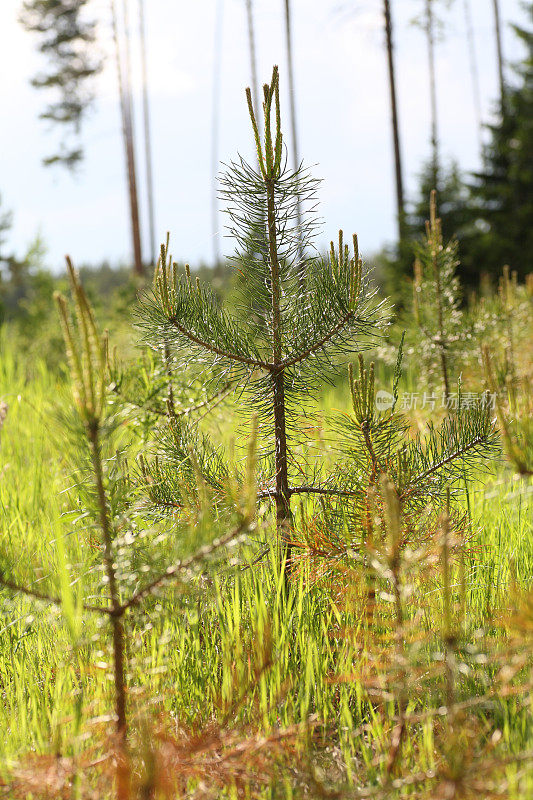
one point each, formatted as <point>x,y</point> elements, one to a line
<point>129,148</point>
<point>288,38</point>
<point>253,57</point>
<point>147,136</point>
<point>119,650</point>
<point>499,49</point>
<point>430,32</point>
<point>400,205</point>
<point>294,130</point>
<point>283,501</point>
<point>474,73</point>
<point>217,56</point>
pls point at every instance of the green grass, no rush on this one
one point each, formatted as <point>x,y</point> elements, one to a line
<point>227,646</point>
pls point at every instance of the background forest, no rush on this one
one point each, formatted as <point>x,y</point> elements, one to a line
<point>266,519</point>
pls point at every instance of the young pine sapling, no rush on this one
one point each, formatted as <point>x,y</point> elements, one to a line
<point>289,332</point>
<point>436,311</point>
<point>421,472</point>
<point>107,492</point>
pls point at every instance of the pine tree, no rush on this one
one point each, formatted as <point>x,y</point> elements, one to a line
<point>16,277</point>
<point>502,209</point>
<point>253,54</point>
<point>123,65</point>
<point>292,98</point>
<point>503,323</point>
<point>65,39</point>
<point>388,30</point>
<point>453,205</point>
<point>130,568</point>
<point>381,463</point>
<point>499,49</point>
<point>147,136</point>
<point>6,221</point>
<point>436,313</point>
<point>474,70</point>
<point>287,338</point>
<point>429,27</point>
<point>432,25</point>
<point>400,198</point>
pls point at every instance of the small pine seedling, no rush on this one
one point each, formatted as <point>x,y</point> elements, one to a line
<point>300,312</point>
<point>436,315</point>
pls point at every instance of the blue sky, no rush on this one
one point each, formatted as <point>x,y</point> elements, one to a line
<point>343,115</point>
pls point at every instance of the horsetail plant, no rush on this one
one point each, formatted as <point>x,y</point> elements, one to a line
<point>290,332</point>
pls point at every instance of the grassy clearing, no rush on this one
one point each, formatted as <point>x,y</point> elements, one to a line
<point>228,651</point>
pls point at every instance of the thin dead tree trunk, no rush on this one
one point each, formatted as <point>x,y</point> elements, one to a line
<point>147,136</point>
<point>430,33</point>
<point>131,131</point>
<point>294,130</point>
<point>127,130</point>
<point>253,56</point>
<point>400,203</point>
<point>217,63</point>
<point>474,73</point>
<point>499,49</point>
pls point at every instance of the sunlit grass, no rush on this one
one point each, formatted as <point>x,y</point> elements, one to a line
<point>232,651</point>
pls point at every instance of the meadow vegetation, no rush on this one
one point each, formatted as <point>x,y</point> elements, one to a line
<point>279,550</point>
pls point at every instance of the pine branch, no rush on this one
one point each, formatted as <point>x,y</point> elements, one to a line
<point>449,459</point>
<point>211,401</point>
<point>47,598</point>
<point>333,491</point>
<point>318,345</point>
<point>251,362</point>
<point>184,455</point>
<point>171,573</point>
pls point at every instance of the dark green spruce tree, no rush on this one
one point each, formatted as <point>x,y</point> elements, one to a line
<point>501,197</point>
<point>288,336</point>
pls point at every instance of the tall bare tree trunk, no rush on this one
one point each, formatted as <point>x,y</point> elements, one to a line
<point>294,129</point>
<point>474,73</point>
<point>147,136</point>
<point>127,130</point>
<point>400,202</point>
<point>217,63</point>
<point>499,49</point>
<point>253,56</point>
<point>430,33</point>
